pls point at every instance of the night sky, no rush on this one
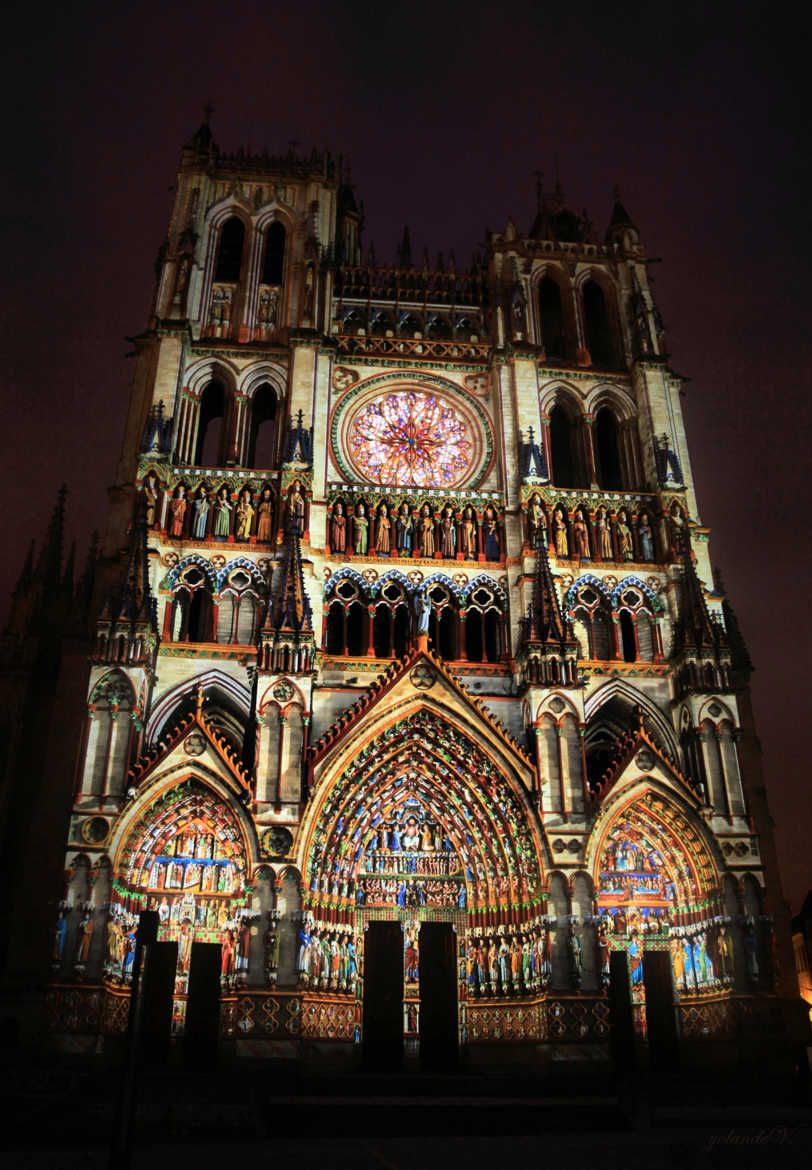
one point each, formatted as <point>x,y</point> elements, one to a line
<point>697,111</point>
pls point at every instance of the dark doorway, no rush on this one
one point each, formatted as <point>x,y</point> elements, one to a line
<point>621,1016</point>
<point>203,1006</point>
<point>159,988</point>
<point>383,995</point>
<point>661,1021</point>
<point>438,995</point>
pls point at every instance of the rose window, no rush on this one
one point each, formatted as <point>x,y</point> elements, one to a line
<point>409,439</point>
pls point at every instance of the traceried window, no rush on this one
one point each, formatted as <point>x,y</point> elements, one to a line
<point>410,439</point>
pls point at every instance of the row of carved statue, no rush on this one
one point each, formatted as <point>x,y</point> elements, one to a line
<point>220,514</point>
<point>600,535</point>
<point>430,532</point>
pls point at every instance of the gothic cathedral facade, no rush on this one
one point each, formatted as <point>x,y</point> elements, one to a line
<point>412,621</point>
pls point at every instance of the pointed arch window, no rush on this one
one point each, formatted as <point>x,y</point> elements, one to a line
<point>210,426</point>
<point>229,252</point>
<point>551,315</point>
<point>262,437</point>
<point>273,260</point>
<point>563,448</point>
<point>606,439</point>
<point>598,326</point>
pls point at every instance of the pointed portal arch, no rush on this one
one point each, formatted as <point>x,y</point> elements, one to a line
<point>187,857</point>
<point>658,887</point>
<point>422,816</point>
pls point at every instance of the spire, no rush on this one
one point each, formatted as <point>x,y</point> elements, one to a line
<point>548,622</point>
<point>696,628</point>
<point>129,611</point>
<point>620,216</point>
<point>203,140</point>
<point>21,597</point>
<point>294,615</point>
<point>404,253</point>
<point>49,562</point>
<point>740,655</point>
<point>80,609</point>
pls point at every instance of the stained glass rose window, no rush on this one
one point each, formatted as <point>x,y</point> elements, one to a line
<point>411,439</point>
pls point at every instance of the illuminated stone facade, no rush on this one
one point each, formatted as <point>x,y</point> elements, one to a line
<point>414,620</point>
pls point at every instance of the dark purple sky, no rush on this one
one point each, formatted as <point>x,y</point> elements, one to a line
<point>446,110</point>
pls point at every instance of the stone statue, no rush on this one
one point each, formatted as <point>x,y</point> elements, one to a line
<point>245,517</point>
<point>426,533</point>
<point>222,515</point>
<point>405,529</point>
<point>296,508</point>
<point>338,530</point>
<point>177,507</point>
<point>422,605</point>
<point>383,532</point>
<point>561,540</point>
<point>646,538</point>
<point>200,514</point>
<point>151,489</point>
<point>360,528</point>
<point>581,534</point>
<point>264,516</point>
<point>624,537</point>
<point>604,536</point>
<point>448,535</point>
<point>469,534</point>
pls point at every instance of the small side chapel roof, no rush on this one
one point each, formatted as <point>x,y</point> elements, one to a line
<point>146,762</point>
<point>626,749</point>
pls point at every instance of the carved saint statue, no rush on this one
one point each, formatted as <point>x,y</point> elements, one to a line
<point>177,508</point>
<point>604,536</point>
<point>469,534</point>
<point>646,538</point>
<point>338,530</point>
<point>296,508</point>
<point>405,529</point>
<point>360,530</point>
<point>624,537</point>
<point>383,532</point>
<point>245,516</point>
<point>222,515</point>
<point>581,535</point>
<point>426,533</point>
<point>264,516</point>
<point>448,535</point>
<point>200,514</point>
<point>561,540</point>
<point>422,605</point>
<point>151,489</point>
